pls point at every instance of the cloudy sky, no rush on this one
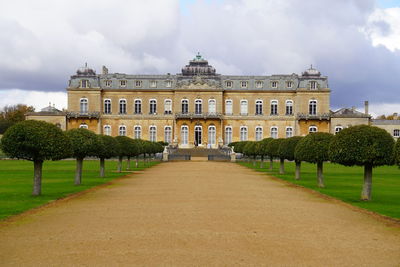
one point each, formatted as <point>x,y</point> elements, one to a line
<point>356,43</point>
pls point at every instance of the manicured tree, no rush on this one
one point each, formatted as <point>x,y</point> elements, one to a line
<point>131,151</point>
<point>250,150</point>
<point>35,141</point>
<point>272,150</point>
<point>107,148</point>
<point>83,143</point>
<point>147,148</point>
<point>363,146</point>
<point>122,151</point>
<point>239,146</point>
<point>263,150</point>
<point>286,150</point>
<point>314,148</point>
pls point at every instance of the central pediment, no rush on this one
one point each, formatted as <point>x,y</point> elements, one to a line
<point>198,83</point>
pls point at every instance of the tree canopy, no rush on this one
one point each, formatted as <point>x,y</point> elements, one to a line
<point>107,147</point>
<point>287,147</point>
<point>313,148</point>
<point>35,140</point>
<point>83,142</point>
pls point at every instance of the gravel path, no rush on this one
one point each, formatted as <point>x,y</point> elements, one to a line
<point>198,213</point>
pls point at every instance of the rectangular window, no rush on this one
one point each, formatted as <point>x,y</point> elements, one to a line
<point>168,83</point>
<point>274,84</point>
<point>122,83</point>
<point>289,84</point>
<point>289,132</point>
<point>229,84</point>
<point>84,83</point>
<point>228,107</point>
<point>396,133</point>
<point>107,106</point>
<point>153,84</point>
<point>108,83</point>
<point>259,84</point>
<point>313,85</point>
<point>243,84</point>
<point>138,83</point>
<point>243,107</point>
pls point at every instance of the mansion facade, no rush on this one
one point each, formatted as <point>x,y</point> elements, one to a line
<point>199,107</point>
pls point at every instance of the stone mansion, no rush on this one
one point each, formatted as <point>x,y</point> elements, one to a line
<point>199,107</point>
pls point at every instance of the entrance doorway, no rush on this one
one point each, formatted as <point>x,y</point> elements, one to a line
<point>197,135</point>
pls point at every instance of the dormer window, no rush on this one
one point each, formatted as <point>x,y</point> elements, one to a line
<point>138,83</point>
<point>259,84</point>
<point>229,84</point>
<point>122,83</point>
<point>168,83</point>
<point>274,84</point>
<point>243,84</point>
<point>108,83</point>
<point>313,85</point>
<point>289,84</point>
<point>84,83</point>
<point>153,84</point>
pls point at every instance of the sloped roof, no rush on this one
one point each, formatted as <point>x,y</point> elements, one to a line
<point>349,113</point>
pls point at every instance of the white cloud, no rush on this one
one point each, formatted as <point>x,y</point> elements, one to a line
<point>37,99</point>
<point>383,28</point>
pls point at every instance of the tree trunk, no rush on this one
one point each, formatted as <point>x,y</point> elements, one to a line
<point>271,161</point>
<point>128,163</point>
<point>320,174</point>
<point>144,159</point>
<point>262,162</point>
<point>298,165</point>
<point>254,161</point>
<point>37,177</point>
<point>366,192</point>
<point>282,166</point>
<point>137,162</point>
<point>102,167</point>
<point>119,167</point>
<point>78,171</point>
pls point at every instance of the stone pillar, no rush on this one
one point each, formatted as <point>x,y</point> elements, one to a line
<point>165,154</point>
<point>233,157</point>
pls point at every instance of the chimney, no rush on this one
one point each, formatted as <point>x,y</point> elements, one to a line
<point>366,105</point>
<point>105,70</point>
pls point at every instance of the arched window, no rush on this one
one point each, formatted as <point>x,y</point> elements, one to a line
<point>212,106</point>
<point>122,130</point>
<point>338,129</point>
<point>122,106</point>
<point>107,106</point>
<point>167,134</point>
<point>228,107</point>
<point>185,106</point>
<point>153,106</point>
<point>168,106</point>
<point>396,133</point>
<point>84,105</point>
<point>184,134</point>
<point>153,133</point>
<point>312,129</point>
<point>289,132</point>
<point>312,107</point>
<point>243,107</point>
<point>274,107</point>
<point>259,133</point>
<point>138,106</point>
<point>274,132</point>
<point>259,107</point>
<point>211,135</point>
<point>107,130</point>
<point>289,107</point>
<point>137,129</point>
<point>198,106</point>
<point>228,135</point>
<point>243,133</point>
<point>83,126</point>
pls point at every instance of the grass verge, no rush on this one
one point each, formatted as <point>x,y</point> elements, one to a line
<point>16,178</point>
<point>345,183</point>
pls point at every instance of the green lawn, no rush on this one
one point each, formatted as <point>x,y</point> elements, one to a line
<point>345,183</point>
<point>16,178</point>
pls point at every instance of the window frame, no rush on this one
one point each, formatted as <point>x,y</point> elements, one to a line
<point>243,133</point>
<point>274,131</point>
<point>259,110</point>
<point>153,84</point>
<point>153,134</point>
<point>228,84</point>
<point>105,131</point>
<point>83,104</point>
<point>337,127</point>
<point>212,135</point>
<point>258,133</point>
<point>168,110</point>
<point>120,109</point>
<point>274,84</point>
<point>198,106</point>
<point>287,131</point>
<point>287,106</point>
<point>123,83</point>
<point>138,83</point>
<point>153,106</point>
<point>209,106</point>
<point>122,129</point>
<point>168,135</point>
<point>259,84</point>
<point>231,106</point>
<point>184,134</point>
<point>274,107</point>
<point>312,127</point>
<point>186,105</point>
<point>137,106</point>
<point>394,132</point>
<point>83,126</point>
<point>108,83</point>
<point>312,110</point>
<point>313,85</point>
<point>105,104</point>
<point>226,133</point>
<point>244,84</point>
<point>137,134</point>
<point>242,109</point>
<point>84,82</point>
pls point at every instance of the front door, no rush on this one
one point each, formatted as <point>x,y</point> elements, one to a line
<point>197,135</point>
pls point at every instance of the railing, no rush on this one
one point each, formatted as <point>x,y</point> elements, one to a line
<point>178,157</point>
<point>206,115</point>
<point>219,158</point>
<point>319,116</point>
<point>94,114</point>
